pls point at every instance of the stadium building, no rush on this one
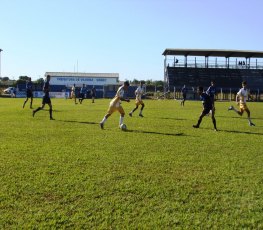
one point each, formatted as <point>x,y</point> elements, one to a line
<point>106,84</point>
<point>228,68</point>
<point>63,81</point>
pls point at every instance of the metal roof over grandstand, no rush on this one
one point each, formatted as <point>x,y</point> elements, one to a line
<point>214,53</point>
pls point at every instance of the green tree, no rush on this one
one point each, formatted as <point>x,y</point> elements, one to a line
<point>135,81</point>
<point>22,79</point>
<point>5,79</point>
<point>40,81</point>
<point>154,85</point>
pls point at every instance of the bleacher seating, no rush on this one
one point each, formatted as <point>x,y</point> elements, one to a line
<point>224,77</point>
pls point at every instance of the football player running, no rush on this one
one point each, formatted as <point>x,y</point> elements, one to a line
<point>242,95</point>
<point>74,93</point>
<point>29,93</point>
<point>207,106</point>
<point>115,105</point>
<point>211,91</point>
<point>46,99</point>
<point>138,101</point>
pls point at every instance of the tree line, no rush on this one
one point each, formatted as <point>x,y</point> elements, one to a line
<point>151,85</point>
<point>21,80</point>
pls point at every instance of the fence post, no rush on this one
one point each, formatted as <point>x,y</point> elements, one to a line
<point>174,92</point>
<point>221,94</point>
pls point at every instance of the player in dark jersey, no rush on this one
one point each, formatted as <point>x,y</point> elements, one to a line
<point>29,93</point>
<point>93,94</point>
<point>211,92</point>
<point>46,99</point>
<point>184,92</point>
<point>83,92</point>
<point>207,106</point>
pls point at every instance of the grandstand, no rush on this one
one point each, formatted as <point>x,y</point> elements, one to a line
<point>228,68</point>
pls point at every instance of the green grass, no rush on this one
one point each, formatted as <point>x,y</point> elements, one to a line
<point>160,174</point>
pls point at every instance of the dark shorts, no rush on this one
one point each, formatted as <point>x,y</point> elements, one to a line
<point>206,110</point>
<point>46,100</point>
<point>29,94</point>
<point>82,95</point>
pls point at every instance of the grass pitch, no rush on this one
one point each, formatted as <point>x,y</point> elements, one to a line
<point>160,174</point>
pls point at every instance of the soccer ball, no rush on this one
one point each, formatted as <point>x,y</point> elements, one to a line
<point>123,127</point>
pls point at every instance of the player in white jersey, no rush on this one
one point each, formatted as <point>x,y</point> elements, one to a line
<point>243,95</point>
<point>74,93</point>
<point>115,104</point>
<point>138,101</point>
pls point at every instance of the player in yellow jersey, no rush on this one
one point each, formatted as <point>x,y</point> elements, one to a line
<point>115,104</point>
<point>138,101</point>
<point>243,95</point>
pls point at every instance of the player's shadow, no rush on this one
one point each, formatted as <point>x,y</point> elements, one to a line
<point>158,133</point>
<point>237,132</point>
<point>56,110</point>
<point>240,132</point>
<point>239,117</point>
<point>130,131</point>
<point>170,118</point>
<point>47,109</point>
<point>80,122</point>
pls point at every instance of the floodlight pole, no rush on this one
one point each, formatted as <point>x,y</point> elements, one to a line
<point>0,62</point>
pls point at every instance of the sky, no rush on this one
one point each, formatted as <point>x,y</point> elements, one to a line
<point>119,36</point>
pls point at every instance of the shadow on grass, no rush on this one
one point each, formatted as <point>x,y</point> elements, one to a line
<point>158,133</point>
<point>170,118</point>
<point>80,122</point>
<point>240,132</point>
<point>237,132</point>
<point>239,117</point>
<point>55,110</point>
<point>129,131</point>
<point>47,109</point>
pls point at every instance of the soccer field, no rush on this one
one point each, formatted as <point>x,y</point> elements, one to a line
<point>159,174</point>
